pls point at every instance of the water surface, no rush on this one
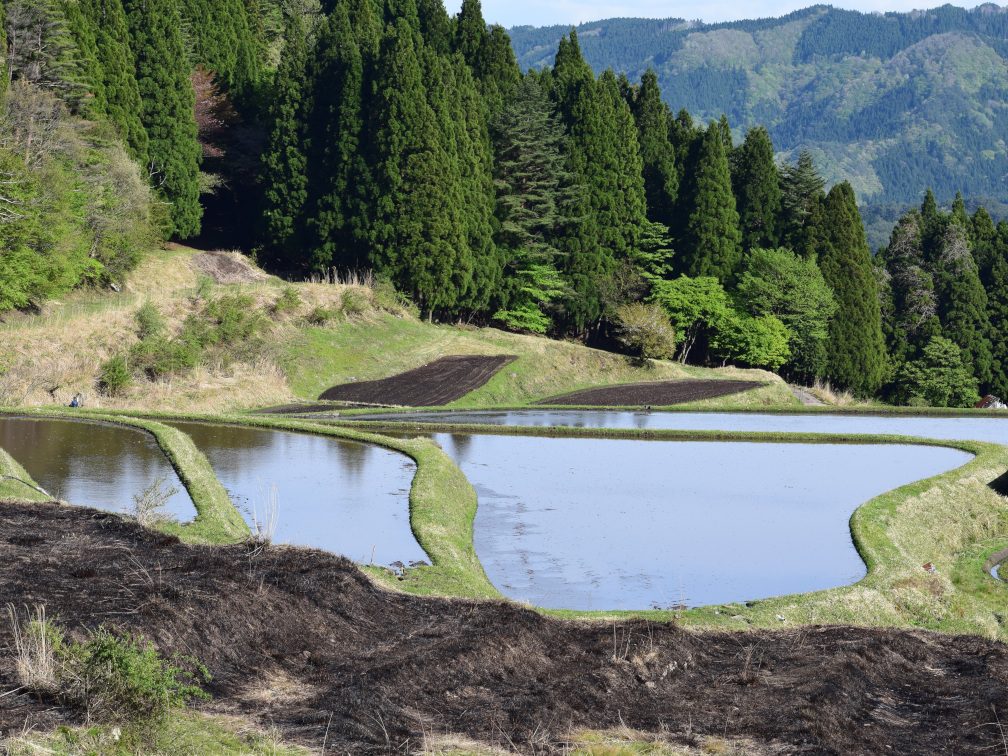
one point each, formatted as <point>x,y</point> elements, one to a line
<point>347,497</point>
<point>626,524</point>
<point>92,464</point>
<point>976,428</point>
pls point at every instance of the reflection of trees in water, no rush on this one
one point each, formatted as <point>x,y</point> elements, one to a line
<point>462,443</point>
<point>61,453</point>
<point>60,449</point>
<point>227,437</point>
<point>352,458</point>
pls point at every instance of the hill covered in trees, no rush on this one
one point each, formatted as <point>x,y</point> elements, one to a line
<point>892,103</point>
<point>388,137</point>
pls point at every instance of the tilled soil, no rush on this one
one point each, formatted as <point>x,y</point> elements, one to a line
<point>431,385</point>
<point>302,639</point>
<point>656,394</point>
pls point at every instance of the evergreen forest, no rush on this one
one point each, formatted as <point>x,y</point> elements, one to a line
<point>892,103</point>
<point>384,136</point>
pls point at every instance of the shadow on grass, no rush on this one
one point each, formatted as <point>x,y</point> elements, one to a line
<point>1000,484</point>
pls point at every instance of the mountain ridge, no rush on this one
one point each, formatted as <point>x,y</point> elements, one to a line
<point>892,102</point>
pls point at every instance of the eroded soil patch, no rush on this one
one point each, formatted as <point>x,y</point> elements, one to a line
<point>298,637</point>
<point>227,267</point>
<point>656,394</point>
<point>431,385</point>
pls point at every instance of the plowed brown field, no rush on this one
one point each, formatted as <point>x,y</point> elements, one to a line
<point>656,394</point>
<point>431,385</point>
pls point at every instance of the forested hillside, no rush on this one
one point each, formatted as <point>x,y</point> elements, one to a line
<point>891,103</point>
<point>386,137</point>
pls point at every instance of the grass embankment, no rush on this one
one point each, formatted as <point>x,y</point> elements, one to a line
<point>217,520</point>
<point>442,506</point>
<point>954,521</point>
<point>384,345</point>
<point>16,484</point>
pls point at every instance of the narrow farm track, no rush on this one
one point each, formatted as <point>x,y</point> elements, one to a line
<point>300,638</point>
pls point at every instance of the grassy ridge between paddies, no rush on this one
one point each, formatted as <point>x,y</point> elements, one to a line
<point>954,521</point>
<point>15,482</point>
<point>217,520</point>
<point>442,501</point>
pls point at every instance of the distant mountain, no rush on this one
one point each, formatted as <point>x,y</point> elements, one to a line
<point>893,103</point>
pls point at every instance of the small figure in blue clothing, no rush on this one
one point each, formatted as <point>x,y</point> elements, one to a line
<point>78,400</point>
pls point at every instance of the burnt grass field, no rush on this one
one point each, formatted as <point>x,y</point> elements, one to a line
<point>302,638</point>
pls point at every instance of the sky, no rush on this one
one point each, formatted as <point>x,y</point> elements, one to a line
<point>510,13</point>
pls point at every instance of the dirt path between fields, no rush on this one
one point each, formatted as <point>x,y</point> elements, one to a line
<point>301,639</point>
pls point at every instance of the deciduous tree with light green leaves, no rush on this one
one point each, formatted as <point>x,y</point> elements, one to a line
<point>696,307</point>
<point>939,378</point>
<point>779,283</point>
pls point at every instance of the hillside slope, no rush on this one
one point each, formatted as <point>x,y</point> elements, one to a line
<point>892,103</point>
<point>303,338</point>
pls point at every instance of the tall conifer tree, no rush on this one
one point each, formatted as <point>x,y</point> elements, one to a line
<point>337,174</point>
<point>285,166</point>
<point>757,190</point>
<point>115,87</point>
<point>585,261</point>
<point>162,75</point>
<point>415,233</point>
<point>713,241</point>
<point>661,181</point>
<point>856,349</point>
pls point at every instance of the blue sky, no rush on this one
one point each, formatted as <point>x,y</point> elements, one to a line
<point>548,12</point>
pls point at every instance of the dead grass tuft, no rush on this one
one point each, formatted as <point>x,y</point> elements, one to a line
<point>35,656</point>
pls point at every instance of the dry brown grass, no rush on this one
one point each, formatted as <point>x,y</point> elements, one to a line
<point>829,395</point>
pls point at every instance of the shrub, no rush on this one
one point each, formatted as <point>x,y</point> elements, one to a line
<point>354,302</point>
<point>148,505</point>
<point>320,315</point>
<point>234,316</point>
<point>115,376</point>
<point>121,679</point>
<point>158,357</point>
<point>288,300</point>
<point>117,679</point>
<point>387,298</point>
<point>149,321</point>
<point>645,330</point>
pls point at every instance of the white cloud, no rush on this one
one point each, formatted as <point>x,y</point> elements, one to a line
<point>548,12</point>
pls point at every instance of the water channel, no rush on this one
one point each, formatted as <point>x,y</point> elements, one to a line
<point>93,464</point>
<point>343,496</point>
<point>581,523</point>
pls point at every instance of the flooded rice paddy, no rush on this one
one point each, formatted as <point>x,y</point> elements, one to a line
<point>575,523</point>
<point>92,464</point>
<point>621,524</point>
<point>989,428</point>
<point>343,496</point>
